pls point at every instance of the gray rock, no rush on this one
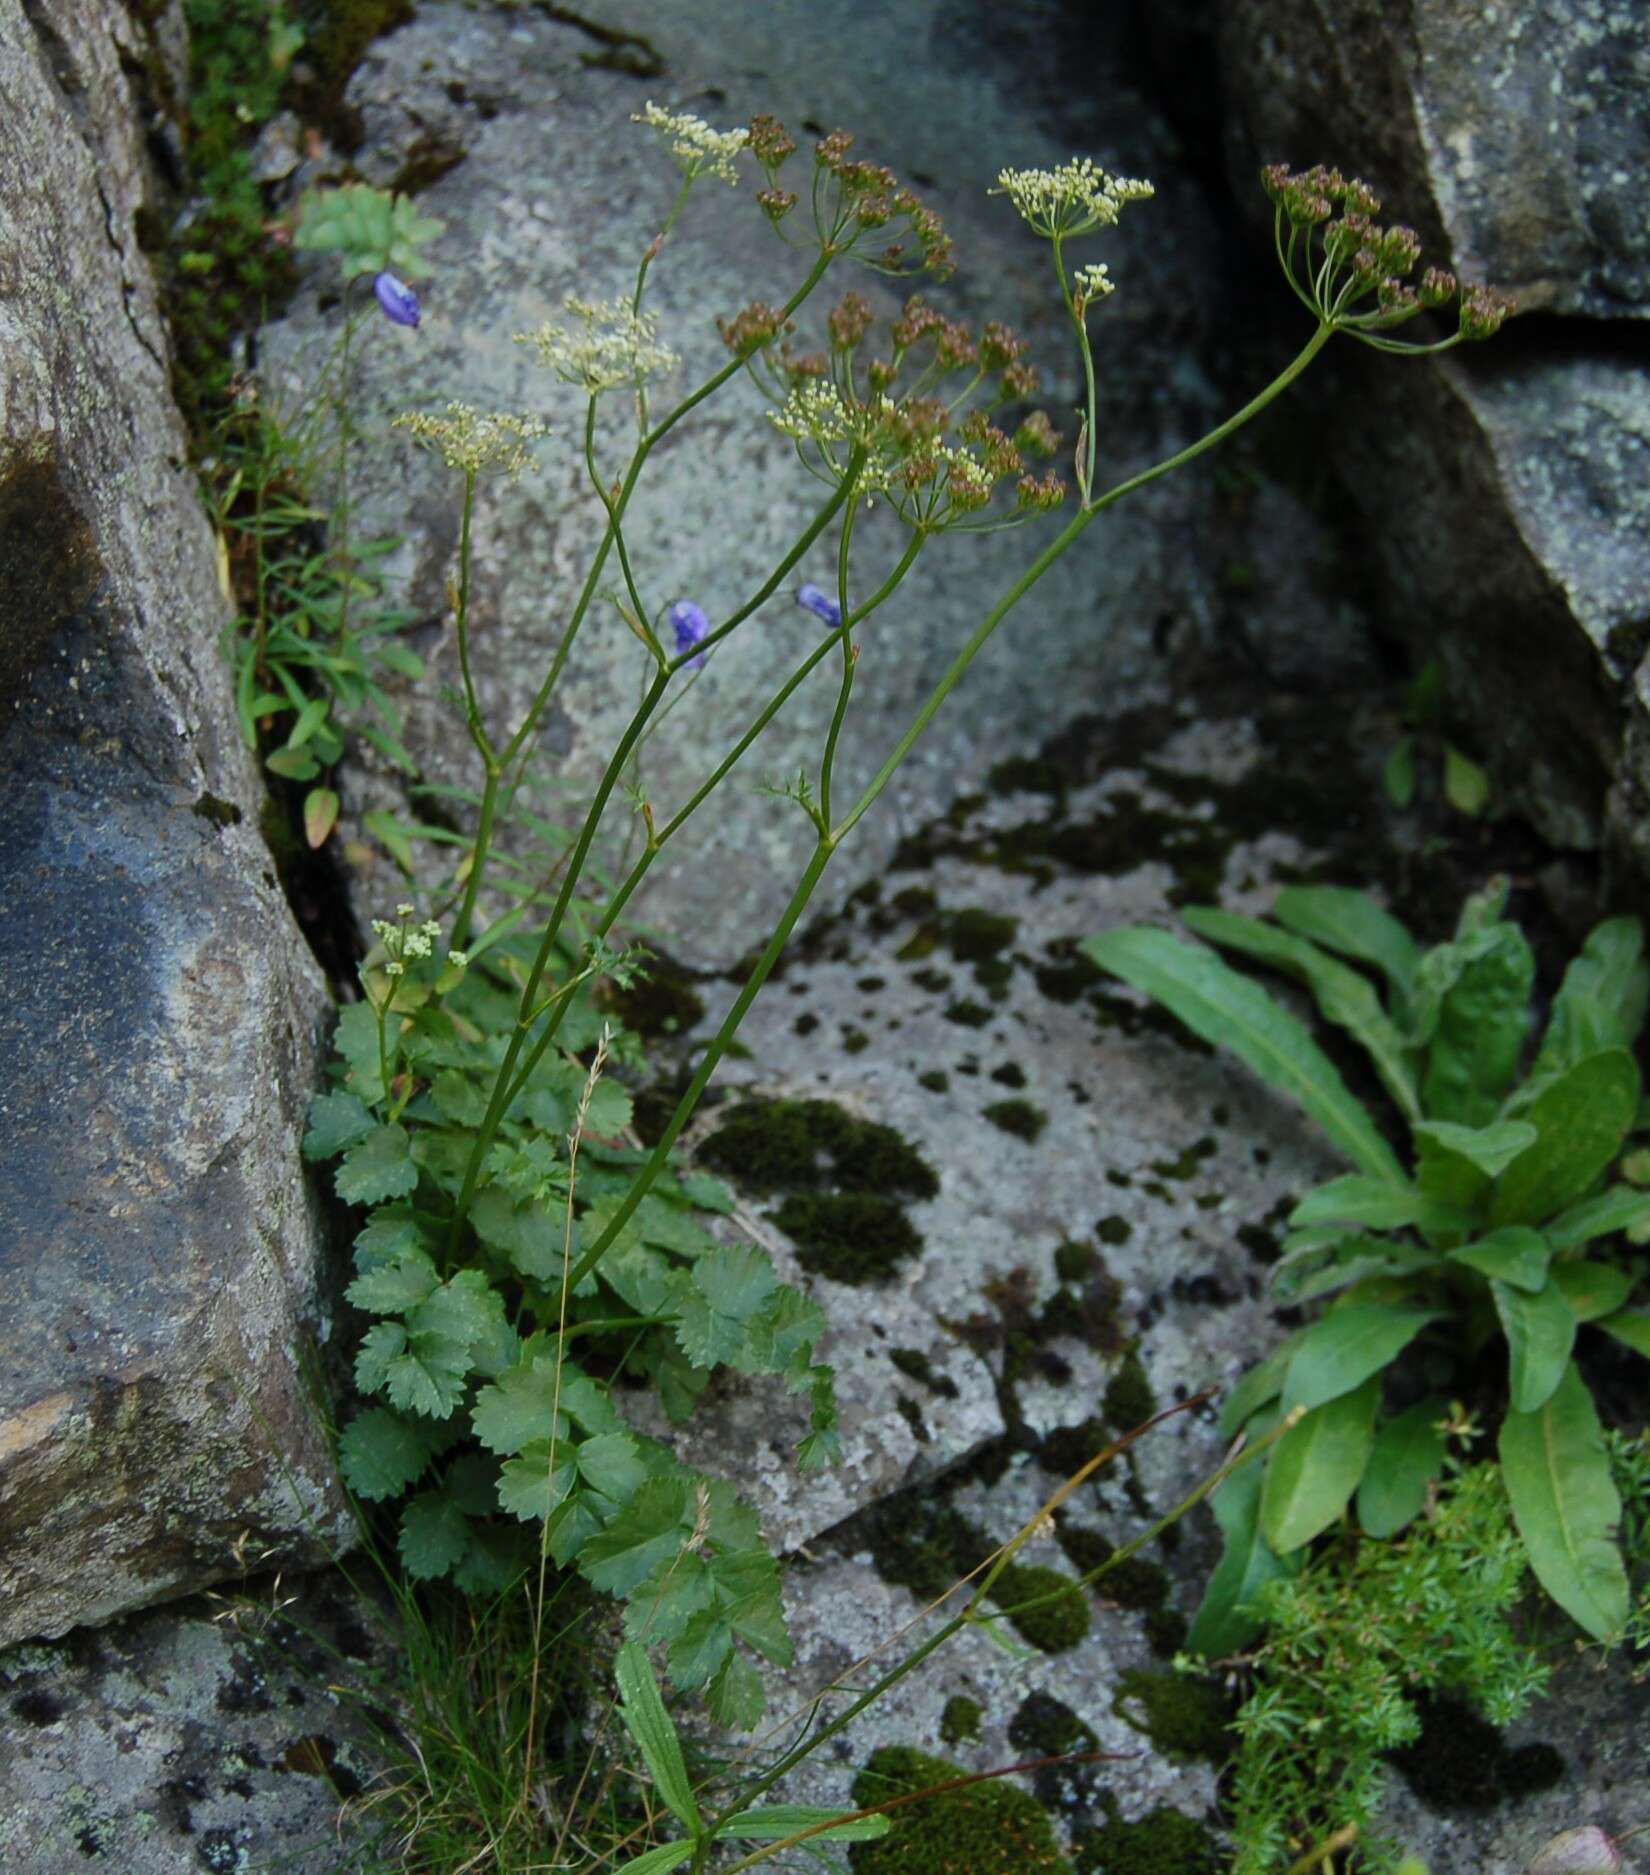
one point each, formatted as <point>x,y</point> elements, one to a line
<point>559,193</point>
<point>207,1737</point>
<point>1501,489</point>
<point>1515,133</point>
<point>159,1030</point>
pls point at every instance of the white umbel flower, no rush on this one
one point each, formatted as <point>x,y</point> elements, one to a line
<point>1074,199</point>
<point>699,150</point>
<point>604,347</point>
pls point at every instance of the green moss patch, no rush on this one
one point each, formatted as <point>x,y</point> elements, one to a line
<point>850,1236</point>
<point>1018,1117</point>
<point>1128,1400</point>
<point>1163,1842</point>
<point>1182,1716</point>
<point>793,1144</point>
<point>960,1721</point>
<point>986,1828</point>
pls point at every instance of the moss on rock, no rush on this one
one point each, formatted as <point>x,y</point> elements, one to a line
<point>1184,1717</point>
<point>987,1828</point>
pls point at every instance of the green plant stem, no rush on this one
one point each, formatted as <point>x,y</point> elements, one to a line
<point>615,906</point>
<point>574,870</point>
<point>478,730</point>
<point>1055,549</point>
<point>845,690</point>
<point>1080,321</point>
<point>655,1163</point>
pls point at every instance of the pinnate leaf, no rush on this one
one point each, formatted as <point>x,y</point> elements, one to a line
<point>378,1167</point>
<point>380,1453</point>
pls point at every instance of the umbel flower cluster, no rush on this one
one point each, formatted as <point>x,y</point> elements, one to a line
<point>912,423</point>
<point>1354,274</point>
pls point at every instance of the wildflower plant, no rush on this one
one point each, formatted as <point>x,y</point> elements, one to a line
<point>1500,1237</point>
<point>521,1252</point>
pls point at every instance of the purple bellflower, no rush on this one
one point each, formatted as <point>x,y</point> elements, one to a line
<point>812,599</point>
<point>690,625</point>
<point>398,300</point>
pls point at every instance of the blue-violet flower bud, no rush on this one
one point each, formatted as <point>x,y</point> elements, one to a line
<point>812,599</point>
<point>689,623</point>
<point>398,300</point>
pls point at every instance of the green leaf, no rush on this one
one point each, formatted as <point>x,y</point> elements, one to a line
<point>1345,997</point>
<point>1566,1506</point>
<point>1516,1255</point>
<point>387,1236</point>
<point>336,1121</point>
<point>650,1531</point>
<point>1316,1466</point>
<point>380,1454</point>
<point>1455,1163</point>
<point>465,1310</point>
<point>1466,786</point>
<point>1355,1198</point>
<point>1316,1270</point>
<point>1540,1331</point>
<point>734,1697</point>
<point>774,1822</point>
<point>1631,1327</point>
<point>642,1708</point>
<point>659,1861</point>
<point>1601,1002</point>
<point>293,765</point>
<point>428,1377</point>
<point>1602,1215</point>
<point>321,809</point>
<point>705,1193</point>
<point>730,1285</point>
<point>1230,1011</point>
<point>1582,1116</point>
<point>529,1234</point>
<point>1260,1383</point>
<point>1408,1455</point>
<point>1350,1343</point>
<point>393,1288</point>
<point>612,1464</point>
<point>1353,924</point>
<point>1230,1616</point>
<point>459,1098</point>
<point>1398,772</point>
<point>537,1480</point>
<point>356,1040</point>
<point>378,1167</point>
<point>1593,1289</point>
<point>1483,981</point>
<point>521,1406</point>
<point>435,1533</point>
<point>702,1649</point>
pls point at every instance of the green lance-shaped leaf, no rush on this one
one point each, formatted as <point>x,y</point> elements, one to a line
<point>1631,1327</point>
<point>659,1861</point>
<point>1582,1117</point>
<point>1540,1331</point>
<point>1230,1011</point>
<point>1228,1618</point>
<point>1344,996</point>
<point>1566,1506</point>
<point>775,1821</point>
<point>1348,1345</point>
<point>1593,1289</point>
<point>1483,1016</point>
<point>1353,924</point>
<point>1455,1163</point>
<point>642,1708</point>
<point>1600,1003</point>
<point>1408,1455</point>
<point>1316,1466</point>
<point>1602,1215</point>
<point>1356,1198</point>
<point>1255,1387</point>
<point>1516,1255</point>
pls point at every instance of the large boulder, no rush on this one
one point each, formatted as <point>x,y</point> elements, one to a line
<point>161,1017</point>
<point>559,192</point>
<point>1504,493</point>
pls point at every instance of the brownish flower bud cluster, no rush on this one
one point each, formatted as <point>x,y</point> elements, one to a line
<point>750,329</point>
<point>1040,493</point>
<point>849,321</point>
<point>776,204</point>
<point>1323,206</point>
<point>770,141</point>
<point>1036,436</point>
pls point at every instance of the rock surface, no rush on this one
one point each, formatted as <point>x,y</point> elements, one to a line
<point>1516,134</point>
<point>1502,491</point>
<point>176,1742</point>
<point>559,192</point>
<point>159,1031</point>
